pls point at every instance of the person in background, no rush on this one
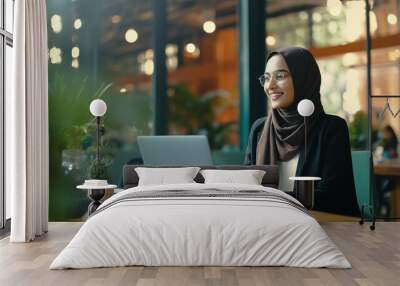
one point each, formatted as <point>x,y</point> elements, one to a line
<point>386,184</point>
<point>291,75</point>
<point>389,143</point>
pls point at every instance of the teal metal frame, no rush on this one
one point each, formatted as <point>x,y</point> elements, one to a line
<point>252,27</point>
<point>368,46</point>
<point>159,79</point>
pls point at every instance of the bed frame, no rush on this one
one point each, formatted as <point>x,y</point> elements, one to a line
<point>270,179</point>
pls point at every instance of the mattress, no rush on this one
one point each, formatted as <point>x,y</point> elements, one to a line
<point>201,225</point>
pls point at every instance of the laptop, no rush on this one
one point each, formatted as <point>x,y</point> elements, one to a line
<point>172,150</point>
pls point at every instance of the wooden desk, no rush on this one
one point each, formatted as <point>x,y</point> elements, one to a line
<point>388,168</point>
<point>330,217</point>
<point>391,168</point>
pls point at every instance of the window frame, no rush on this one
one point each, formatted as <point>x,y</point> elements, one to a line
<point>6,39</point>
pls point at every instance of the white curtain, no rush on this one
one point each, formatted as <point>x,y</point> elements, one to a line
<point>27,124</point>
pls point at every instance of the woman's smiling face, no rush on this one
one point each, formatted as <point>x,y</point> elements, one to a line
<point>278,83</point>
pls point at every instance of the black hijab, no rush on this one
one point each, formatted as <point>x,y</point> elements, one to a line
<point>283,132</point>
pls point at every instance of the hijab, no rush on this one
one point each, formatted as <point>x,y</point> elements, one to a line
<point>283,132</point>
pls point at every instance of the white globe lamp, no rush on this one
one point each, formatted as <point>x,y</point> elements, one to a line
<point>305,107</point>
<point>98,107</point>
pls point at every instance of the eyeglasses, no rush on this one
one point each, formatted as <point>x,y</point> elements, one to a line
<point>279,75</point>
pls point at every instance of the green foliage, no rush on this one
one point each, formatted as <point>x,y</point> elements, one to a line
<point>70,94</point>
<point>69,97</point>
<point>192,114</point>
<point>74,136</point>
<point>72,132</point>
<point>98,170</point>
<point>358,131</point>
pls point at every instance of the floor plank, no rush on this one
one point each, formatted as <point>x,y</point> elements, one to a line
<point>374,255</point>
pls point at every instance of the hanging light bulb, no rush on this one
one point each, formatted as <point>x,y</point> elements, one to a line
<point>209,27</point>
<point>131,35</point>
<point>77,24</point>
<point>334,7</point>
<point>391,19</point>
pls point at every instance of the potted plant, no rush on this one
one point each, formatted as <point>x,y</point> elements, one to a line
<point>98,170</point>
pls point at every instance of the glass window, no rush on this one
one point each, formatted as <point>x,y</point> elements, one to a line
<point>1,14</point>
<point>385,75</point>
<point>9,12</point>
<point>328,23</point>
<point>343,90</point>
<point>94,51</point>
<point>386,127</point>
<point>330,26</point>
<point>8,90</point>
<point>202,62</point>
<point>2,137</point>
<point>6,16</point>
<point>109,46</point>
<point>385,17</point>
<point>288,30</point>
<point>343,93</point>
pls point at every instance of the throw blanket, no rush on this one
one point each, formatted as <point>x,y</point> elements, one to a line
<point>206,194</point>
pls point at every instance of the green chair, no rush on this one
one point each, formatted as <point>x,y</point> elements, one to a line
<point>362,165</point>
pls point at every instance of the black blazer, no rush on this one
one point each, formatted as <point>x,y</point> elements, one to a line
<point>328,157</point>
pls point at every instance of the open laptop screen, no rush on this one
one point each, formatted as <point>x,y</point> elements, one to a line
<point>171,150</point>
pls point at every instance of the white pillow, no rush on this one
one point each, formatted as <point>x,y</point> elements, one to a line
<point>163,176</point>
<point>248,177</point>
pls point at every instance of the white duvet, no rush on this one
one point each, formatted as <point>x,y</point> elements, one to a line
<point>200,231</point>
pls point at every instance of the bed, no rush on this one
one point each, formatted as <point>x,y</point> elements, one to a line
<point>198,224</point>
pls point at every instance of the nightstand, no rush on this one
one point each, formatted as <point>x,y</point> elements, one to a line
<point>95,194</point>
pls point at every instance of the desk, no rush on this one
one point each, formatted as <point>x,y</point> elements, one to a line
<point>391,168</point>
<point>387,168</point>
<point>325,217</point>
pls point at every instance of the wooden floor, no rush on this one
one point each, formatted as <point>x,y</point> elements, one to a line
<point>375,256</point>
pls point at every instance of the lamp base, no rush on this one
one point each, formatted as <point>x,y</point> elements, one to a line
<point>305,190</point>
<point>95,196</point>
<point>305,193</point>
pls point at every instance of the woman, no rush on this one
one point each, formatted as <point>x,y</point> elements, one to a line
<point>292,74</point>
